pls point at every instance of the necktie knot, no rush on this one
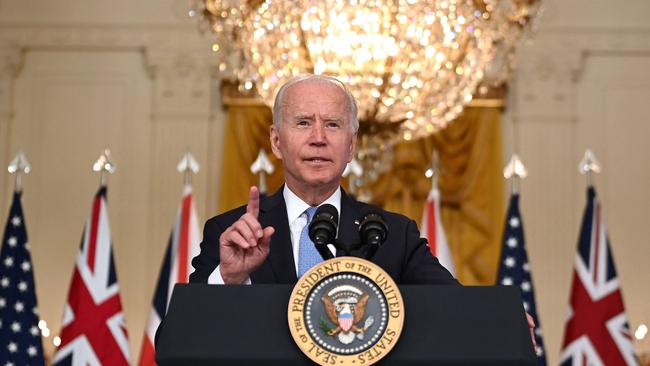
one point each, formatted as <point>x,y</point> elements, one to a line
<point>310,213</point>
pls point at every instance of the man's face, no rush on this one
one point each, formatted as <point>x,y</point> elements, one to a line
<point>315,140</point>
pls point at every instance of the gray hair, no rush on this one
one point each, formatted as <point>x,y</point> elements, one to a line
<point>311,78</point>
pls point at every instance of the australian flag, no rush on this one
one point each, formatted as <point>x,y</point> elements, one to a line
<point>514,269</point>
<point>597,331</point>
<point>20,338</point>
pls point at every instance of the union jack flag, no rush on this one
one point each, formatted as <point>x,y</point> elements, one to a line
<point>597,331</point>
<point>183,246</point>
<point>94,329</point>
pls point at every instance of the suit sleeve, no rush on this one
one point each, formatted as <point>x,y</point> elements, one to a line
<point>420,266</point>
<point>208,259</point>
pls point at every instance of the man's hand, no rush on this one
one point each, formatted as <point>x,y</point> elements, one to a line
<point>531,326</point>
<point>244,245</point>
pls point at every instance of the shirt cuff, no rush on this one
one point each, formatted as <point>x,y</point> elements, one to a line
<point>216,279</point>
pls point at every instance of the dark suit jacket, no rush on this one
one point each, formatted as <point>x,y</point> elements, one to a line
<point>404,255</point>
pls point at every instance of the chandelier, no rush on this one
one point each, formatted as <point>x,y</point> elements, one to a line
<point>412,65</point>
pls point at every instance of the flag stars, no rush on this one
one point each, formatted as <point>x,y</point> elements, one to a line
<point>12,241</point>
<point>538,331</point>
<point>35,310</point>
<point>16,221</point>
<point>19,307</point>
<point>514,221</point>
<point>526,267</point>
<point>12,347</point>
<point>9,262</point>
<point>4,282</point>
<point>510,262</point>
<point>512,242</point>
<point>34,331</point>
<point>3,302</point>
<point>526,306</point>
<point>9,364</point>
<point>32,351</point>
<point>25,266</point>
<point>539,351</point>
<point>22,286</point>
<point>15,327</point>
<point>525,286</point>
<point>506,281</point>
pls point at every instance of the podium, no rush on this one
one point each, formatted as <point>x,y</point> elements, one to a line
<point>247,325</point>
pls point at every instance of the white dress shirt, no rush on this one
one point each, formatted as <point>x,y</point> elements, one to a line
<point>297,218</point>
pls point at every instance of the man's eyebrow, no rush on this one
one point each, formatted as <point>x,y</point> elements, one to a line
<point>303,116</point>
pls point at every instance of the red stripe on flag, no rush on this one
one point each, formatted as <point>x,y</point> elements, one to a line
<point>183,240</point>
<point>431,227</point>
<point>92,246</point>
<point>147,353</point>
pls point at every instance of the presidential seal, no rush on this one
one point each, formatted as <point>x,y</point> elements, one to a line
<point>346,311</point>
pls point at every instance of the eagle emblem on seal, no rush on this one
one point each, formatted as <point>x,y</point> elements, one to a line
<point>345,307</point>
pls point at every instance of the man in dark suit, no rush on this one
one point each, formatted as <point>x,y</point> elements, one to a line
<point>314,134</point>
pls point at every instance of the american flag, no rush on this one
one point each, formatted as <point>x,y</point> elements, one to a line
<point>597,331</point>
<point>183,246</point>
<point>434,232</point>
<point>20,338</point>
<point>514,269</point>
<point>94,330</point>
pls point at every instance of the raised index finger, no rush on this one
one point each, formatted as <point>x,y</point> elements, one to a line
<point>253,206</point>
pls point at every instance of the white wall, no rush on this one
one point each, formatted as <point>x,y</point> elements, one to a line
<point>584,82</point>
<point>80,76</point>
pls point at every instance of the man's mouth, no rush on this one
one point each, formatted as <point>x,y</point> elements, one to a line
<point>317,160</point>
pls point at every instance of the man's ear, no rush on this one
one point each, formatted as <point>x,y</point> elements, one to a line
<point>353,146</point>
<point>274,136</point>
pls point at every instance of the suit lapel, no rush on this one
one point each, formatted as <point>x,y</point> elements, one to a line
<point>273,212</point>
<point>348,222</point>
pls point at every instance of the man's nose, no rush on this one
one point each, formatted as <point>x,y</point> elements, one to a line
<point>318,133</point>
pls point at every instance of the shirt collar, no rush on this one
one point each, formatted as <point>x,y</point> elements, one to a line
<point>296,206</point>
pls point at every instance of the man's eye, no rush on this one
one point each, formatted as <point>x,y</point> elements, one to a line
<point>333,124</point>
<point>303,123</point>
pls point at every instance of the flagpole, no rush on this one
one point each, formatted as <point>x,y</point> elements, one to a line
<point>588,166</point>
<point>103,165</point>
<point>434,170</point>
<point>188,166</point>
<point>19,166</point>
<point>515,170</point>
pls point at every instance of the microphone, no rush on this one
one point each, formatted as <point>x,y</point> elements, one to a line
<point>373,231</point>
<point>322,229</point>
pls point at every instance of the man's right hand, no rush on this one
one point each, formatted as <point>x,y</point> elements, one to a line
<point>244,245</point>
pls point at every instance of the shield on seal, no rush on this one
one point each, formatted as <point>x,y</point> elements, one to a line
<point>345,318</point>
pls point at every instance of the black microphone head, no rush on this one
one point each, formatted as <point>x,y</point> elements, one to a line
<point>373,231</point>
<point>322,230</point>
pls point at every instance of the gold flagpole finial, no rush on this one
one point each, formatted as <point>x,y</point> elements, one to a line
<point>19,166</point>
<point>263,166</point>
<point>104,164</point>
<point>589,165</point>
<point>515,170</point>
<point>188,166</point>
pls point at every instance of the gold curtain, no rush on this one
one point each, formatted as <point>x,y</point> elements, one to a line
<point>471,187</point>
<point>470,181</point>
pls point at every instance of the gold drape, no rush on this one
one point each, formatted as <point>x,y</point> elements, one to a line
<point>247,130</point>
<point>470,181</point>
<point>471,187</point>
